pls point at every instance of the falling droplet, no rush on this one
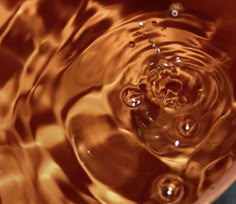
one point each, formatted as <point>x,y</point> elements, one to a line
<point>132,97</point>
<point>187,127</point>
<point>175,9</point>
<point>132,44</point>
<point>168,188</point>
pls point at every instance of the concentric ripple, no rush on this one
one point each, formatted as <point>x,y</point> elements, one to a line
<point>154,83</point>
<point>116,102</point>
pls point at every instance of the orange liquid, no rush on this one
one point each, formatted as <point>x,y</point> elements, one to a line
<point>121,102</point>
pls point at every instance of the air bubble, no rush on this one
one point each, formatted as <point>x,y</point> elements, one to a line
<point>132,44</point>
<point>174,13</point>
<point>168,188</point>
<point>175,9</point>
<point>187,127</point>
<point>132,97</point>
<point>154,24</point>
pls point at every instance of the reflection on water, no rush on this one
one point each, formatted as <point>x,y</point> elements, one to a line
<point>117,102</point>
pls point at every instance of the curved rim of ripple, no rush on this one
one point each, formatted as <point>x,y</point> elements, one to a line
<point>219,187</point>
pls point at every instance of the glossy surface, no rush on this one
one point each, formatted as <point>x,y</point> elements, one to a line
<point>115,101</point>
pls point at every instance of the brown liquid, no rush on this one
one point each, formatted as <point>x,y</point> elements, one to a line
<point>115,101</point>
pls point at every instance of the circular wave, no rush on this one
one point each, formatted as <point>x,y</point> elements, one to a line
<point>153,82</point>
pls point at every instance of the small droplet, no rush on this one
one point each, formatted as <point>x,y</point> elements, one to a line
<point>132,44</point>
<point>168,188</point>
<point>154,24</point>
<point>187,127</point>
<point>158,50</point>
<point>164,63</point>
<point>154,45</point>
<point>178,59</point>
<point>141,24</point>
<point>177,143</point>
<point>132,97</point>
<point>175,9</point>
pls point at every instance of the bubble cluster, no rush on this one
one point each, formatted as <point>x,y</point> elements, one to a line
<point>155,46</point>
<point>132,97</point>
<point>166,87</point>
<point>170,96</point>
<point>168,188</point>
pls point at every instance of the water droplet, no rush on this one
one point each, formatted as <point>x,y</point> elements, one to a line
<point>168,188</point>
<point>154,24</point>
<point>163,63</point>
<point>178,59</point>
<point>141,24</point>
<point>158,50</point>
<point>154,45</point>
<point>89,153</point>
<point>177,143</point>
<point>132,97</point>
<point>187,127</point>
<point>132,44</point>
<point>175,9</point>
